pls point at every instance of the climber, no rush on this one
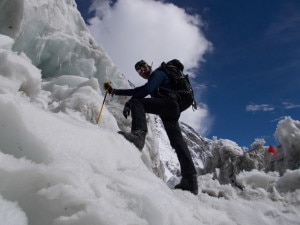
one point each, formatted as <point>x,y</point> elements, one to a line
<point>163,102</point>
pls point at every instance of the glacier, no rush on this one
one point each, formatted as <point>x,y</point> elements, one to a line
<point>59,167</point>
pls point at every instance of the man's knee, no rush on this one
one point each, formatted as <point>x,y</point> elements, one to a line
<point>135,102</point>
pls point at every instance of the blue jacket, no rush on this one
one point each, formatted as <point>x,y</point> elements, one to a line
<point>157,79</point>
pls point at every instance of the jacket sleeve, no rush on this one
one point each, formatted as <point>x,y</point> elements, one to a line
<point>130,92</point>
<point>157,79</point>
<point>124,92</point>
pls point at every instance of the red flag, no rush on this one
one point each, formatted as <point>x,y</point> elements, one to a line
<point>272,150</point>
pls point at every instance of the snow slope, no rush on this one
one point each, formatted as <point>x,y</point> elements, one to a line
<point>57,166</point>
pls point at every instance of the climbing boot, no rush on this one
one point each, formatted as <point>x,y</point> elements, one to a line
<point>135,137</point>
<point>188,184</point>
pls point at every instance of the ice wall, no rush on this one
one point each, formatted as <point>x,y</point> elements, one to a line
<point>54,36</point>
<point>11,14</point>
<point>48,54</point>
<point>288,135</point>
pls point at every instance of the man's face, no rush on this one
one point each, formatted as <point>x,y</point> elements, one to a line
<point>144,72</point>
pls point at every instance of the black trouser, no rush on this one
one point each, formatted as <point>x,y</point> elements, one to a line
<point>169,112</point>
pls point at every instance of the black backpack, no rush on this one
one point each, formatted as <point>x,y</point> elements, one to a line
<point>179,83</point>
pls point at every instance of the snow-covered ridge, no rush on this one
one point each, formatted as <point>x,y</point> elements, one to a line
<point>59,49</point>
<point>58,167</point>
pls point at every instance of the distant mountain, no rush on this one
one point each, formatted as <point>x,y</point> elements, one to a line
<point>198,146</point>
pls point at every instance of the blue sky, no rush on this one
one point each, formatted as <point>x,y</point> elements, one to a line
<point>249,75</point>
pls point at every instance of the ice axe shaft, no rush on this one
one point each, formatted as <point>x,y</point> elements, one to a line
<point>98,119</point>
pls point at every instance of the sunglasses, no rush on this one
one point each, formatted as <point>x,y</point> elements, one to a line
<point>141,69</point>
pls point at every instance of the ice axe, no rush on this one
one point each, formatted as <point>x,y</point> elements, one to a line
<point>98,119</point>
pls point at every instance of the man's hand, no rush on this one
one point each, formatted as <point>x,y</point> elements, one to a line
<point>108,88</point>
<point>126,110</point>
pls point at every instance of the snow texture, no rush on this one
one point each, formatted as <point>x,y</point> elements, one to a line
<point>58,167</point>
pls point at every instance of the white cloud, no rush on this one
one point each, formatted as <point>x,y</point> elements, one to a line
<point>290,105</point>
<point>261,107</point>
<point>268,107</point>
<point>198,119</point>
<point>130,30</point>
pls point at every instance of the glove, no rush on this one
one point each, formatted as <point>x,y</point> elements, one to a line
<point>107,88</point>
<point>126,110</point>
